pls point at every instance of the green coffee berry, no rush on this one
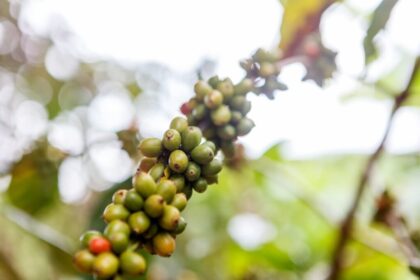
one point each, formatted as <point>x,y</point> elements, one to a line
<point>211,145</point>
<point>132,263</point>
<point>171,139</point>
<point>221,115</point>
<point>188,191</point>
<point>157,171</point>
<point>119,196</point>
<point>244,86</point>
<point>201,89</point>
<point>237,102</point>
<point>191,137</point>
<point>86,237</point>
<point>105,265</point>
<point>146,164</point>
<point>170,217</point>
<point>244,126</point>
<point>164,244</point>
<point>115,212</point>
<point>179,201</point>
<point>179,123</point>
<point>214,99</point>
<point>139,222</point>
<point>178,161</point>
<point>83,260</point>
<point>133,201</point>
<point>202,154</point>
<point>151,147</point>
<point>199,112</point>
<point>179,181</point>
<point>214,81</point>
<point>153,205</point>
<point>246,107</point>
<point>119,241</point>
<point>236,117</point>
<point>200,185</point>
<point>212,168</point>
<point>226,88</point>
<point>228,148</point>
<point>167,189</point>
<point>144,184</point>
<point>151,231</point>
<point>226,132</point>
<point>117,226</point>
<point>214,179</point>
<point>181,226</point>
<point>193,170</point>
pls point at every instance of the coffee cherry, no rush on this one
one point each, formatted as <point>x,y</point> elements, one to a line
<point>105,265</point>
<point>151,147</point>
<point>226,88</point>
<point>132,263</point>
<point>244,86</point>
<point>146,164</point>
<point>119,241</point>
<point>211,145</point>
<point>164,244</point>
<point>246,108</point>
<point>244,126</point>
<point>99,245</point>
<point>170,217</point>
<point>188,191</point>
<point>214,99</point>
<point>119,196</point>
<point>227,132</point>
<point>212,179</point>
<point>181,226</point>
<point>193,170</point>
<point>117,226</point>
<point>237,102</point>
<point>228,148</point>
<point>86,237</point>
<point>202,154</point>
<point>221,115</point>
<point>191,137</point>
<point>212,168</point>
<point>151,231</point>
<point>179,123</point>
<point>144,184</point>
<point>199,112</point>
<point>179,181</point>
<point>115,212</point>
<point>178,161</point>
<point>133,201</point>
<point>236,117</point>
<point>201,89</point>
<point>200,185</point>
<point>214,81</point>
<point>186,108</point>
<point>179,201</point>
<point>139,222</point>
<point>171,139</point>
<point>83,261</point>
<point>153,205</point>
<point>167,189</point>
<point>157,171</point>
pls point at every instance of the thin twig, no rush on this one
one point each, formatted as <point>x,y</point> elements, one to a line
<point>347,224</point>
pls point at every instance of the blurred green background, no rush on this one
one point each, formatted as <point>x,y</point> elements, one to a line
<point>272,215</point>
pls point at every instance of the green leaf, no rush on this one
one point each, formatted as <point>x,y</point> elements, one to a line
<point>379,20</point>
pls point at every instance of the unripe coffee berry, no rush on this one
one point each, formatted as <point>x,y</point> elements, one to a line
<point>246,108</point>
<point>144,184</point>
<point>99,245</point>
<point>226,88</point>
<point>200,185</point>
<point>119,196</point>
<point>151,147</point>
<point>153,205</point>
<point>211,145</point>
<point>83,261</point>
<point>178,161</point>
<point>164,244</point>
<point>191,137</point>
<point>133,201</point>
<point>115,212</point>
<point>202,154</point>
<point>193,171</point>
<point>105,265</point>
<point>212,168</point>
<point>199,112</point>
<point>179,181</point>
<point>179,123</point>
<point>201,89</point>
<point>119,241</point>
<point>214,99</point>
<point>188,191</point>
<point>212,179</point>
<point>171,139</point>
<point>228,148</point>
<point>221,115</point>
<point>117,226</point>
<point>244,86</point>
<point>167,189</point>
<point>179,201</point>
<point>244,126</point>
<point>139,222</point>
<point>151,231</point>
<point>181,226</point>
<point>170,217</point>
<point>226,132</point>
<point>132,263</point>
<point>236,117</point>
<point>157,171</point>
<point>86,237</point>
<point>146,164</point>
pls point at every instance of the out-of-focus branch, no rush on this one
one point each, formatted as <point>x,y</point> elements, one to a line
<point>347,225</point>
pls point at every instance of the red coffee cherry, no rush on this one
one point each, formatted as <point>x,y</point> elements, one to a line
<point>99,245</point>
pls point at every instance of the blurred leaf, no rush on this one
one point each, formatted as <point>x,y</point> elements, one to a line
<point>379,20</point>
<point>274,152</point>
<point>34,182</point>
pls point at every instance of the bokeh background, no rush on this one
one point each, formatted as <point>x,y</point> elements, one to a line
<point>81,82</point>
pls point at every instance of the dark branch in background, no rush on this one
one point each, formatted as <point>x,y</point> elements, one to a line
<point>347,225</point>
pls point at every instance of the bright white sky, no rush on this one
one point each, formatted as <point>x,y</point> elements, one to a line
<point>179,34</point>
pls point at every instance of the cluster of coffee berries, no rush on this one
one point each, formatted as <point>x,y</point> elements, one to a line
<point>220,108</point>
<point>264,70</point>
<point>147,216</point>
